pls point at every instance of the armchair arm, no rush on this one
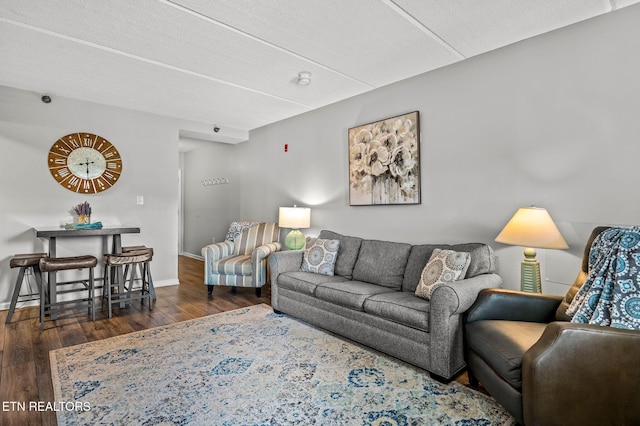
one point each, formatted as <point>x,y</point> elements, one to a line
<point>217,251</point>
<point>258,256</point>
<point>214,252</point>
<point>579,374</point>
<point>512,305</point>
<point>262,252</point>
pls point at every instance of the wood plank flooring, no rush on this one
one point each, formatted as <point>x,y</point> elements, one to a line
<point>25,371</point>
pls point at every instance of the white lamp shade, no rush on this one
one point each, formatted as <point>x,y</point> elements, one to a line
<point>532,227</point>
<point>294,217</point>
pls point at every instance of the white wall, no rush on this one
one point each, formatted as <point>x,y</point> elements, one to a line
<point>551,121</point>
<point>30,197</point>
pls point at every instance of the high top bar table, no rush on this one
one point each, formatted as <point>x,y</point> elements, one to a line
<point>52,234</point>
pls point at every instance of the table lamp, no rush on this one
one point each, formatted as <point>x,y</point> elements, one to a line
<point>295,218</point>
<point>531,227</point>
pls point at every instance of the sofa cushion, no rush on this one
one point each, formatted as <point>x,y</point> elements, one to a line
<point>444,266</point>
<point>305,282</point>
<point>320,256</point>
<point>382,263</point>
<point>350,294</point>
<point>401,307</point>
<point>347,252</point>
<point>483,261</point>
<point>502,345</point>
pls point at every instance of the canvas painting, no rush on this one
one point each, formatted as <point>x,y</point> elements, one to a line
<point>384,162</point>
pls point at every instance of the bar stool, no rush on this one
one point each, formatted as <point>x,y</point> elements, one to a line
<point>146,267</point>
<point>132,261</point>
<point>57,264</point>
<point>26,262</point>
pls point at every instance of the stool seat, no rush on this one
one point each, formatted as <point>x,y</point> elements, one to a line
<point>129,257</point>
<point>26,260</point>
<point>133,248</point>
<point>50,264</point>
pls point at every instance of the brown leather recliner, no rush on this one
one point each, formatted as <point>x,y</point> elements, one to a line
<point>546,370</point>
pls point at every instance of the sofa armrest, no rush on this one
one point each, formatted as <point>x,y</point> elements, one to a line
<point>279,262</point>
<point>448,303</point>
<point>458,296</point>
<point>580,374</point>
<point>512,305</point>
<point>284,261</point>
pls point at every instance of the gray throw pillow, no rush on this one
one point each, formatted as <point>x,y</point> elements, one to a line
<point>347,253</point>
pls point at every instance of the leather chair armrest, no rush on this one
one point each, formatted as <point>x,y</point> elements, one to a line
<point>512,305</point>
<point>579,374</point>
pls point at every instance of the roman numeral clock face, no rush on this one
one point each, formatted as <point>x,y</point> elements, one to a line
<point>84,163</point>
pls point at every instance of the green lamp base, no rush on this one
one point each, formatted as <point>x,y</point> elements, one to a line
<point>530,273</point>
<point>295,240</point>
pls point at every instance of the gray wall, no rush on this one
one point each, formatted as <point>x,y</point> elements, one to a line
<point>208,210</point>
<point>551,121</point>
<point>30,197</point>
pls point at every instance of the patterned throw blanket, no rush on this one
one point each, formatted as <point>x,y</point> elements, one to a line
<point>611,294</point>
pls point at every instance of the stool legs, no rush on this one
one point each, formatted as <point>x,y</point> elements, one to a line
<point>130,276</point>
<point>52,266</point>
<point>18,286</point>
<point>132,260</point>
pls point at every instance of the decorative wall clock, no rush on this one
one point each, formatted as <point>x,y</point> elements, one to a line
<point>84,163</point>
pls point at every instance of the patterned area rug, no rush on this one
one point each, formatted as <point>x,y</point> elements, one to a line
<point>253,367</point>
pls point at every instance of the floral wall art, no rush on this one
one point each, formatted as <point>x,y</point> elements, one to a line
<point>384,162</point>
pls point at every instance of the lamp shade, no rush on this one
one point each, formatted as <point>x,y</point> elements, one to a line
<point>294,217</point>
<point>532,227</point>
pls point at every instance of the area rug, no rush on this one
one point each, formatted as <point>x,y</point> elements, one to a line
<point>252,367</point>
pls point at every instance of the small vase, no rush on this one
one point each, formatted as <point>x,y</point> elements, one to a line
<point>84,218</point>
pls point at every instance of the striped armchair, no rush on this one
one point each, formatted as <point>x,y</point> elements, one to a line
<point>241,260</point>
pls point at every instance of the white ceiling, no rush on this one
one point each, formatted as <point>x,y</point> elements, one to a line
<point>234,63</point>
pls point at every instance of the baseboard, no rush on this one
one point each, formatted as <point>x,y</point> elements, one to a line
<point>72,296</point>
<point>191,255</point>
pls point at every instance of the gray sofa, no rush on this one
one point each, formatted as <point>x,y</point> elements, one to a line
<point>371,298</point>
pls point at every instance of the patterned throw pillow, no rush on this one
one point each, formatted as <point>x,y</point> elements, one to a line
<point>238,228</point>
<point>320,256</point>
<point>444,266</point>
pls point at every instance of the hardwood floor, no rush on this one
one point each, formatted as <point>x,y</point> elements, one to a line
<point>25,374</point>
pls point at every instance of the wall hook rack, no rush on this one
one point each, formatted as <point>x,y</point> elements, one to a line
<point>215,181</point>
